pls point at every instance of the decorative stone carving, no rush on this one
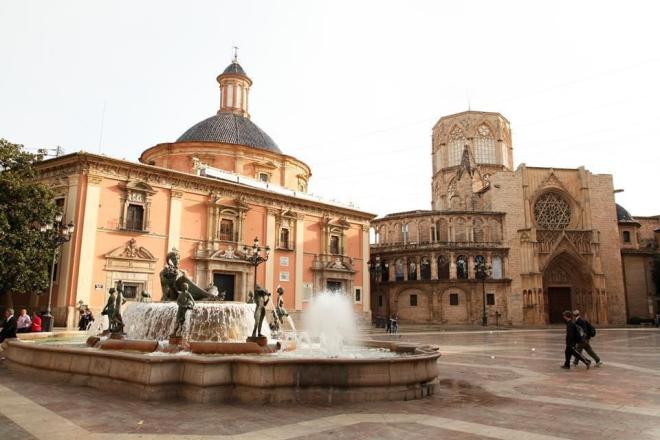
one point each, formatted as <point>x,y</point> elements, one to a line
<point>551,211</point>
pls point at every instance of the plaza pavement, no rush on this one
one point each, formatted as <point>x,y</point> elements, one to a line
<point>492,385</point>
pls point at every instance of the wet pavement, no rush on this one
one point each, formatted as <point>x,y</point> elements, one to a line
<point>493,384</point>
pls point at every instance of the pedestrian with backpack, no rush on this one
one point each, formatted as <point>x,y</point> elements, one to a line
<point>572,339</point>
<point>587,331</point>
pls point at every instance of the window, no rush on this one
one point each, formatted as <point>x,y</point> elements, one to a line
<point>358,295</point>
<point>284,276</point>
<point>380,300</point>
<point>226,230</point>
<point>484,145</point>
<point>551,211</point>
<point>413,300</point>
<point>443,268</point>
<point>284,238</point>
<point>398,270</point>
<point>385,271</point>
<point>334,244</point>
<point>404,233</point>
<point>626,236</point>
<point>497,268</point>
<point>425,268</point>
<point>135,217</point>
<point>455,146</point>
<point>263,177</point>
<point>131,290</point>
<point>453,299</point>
<point>461,267</point>
<point>59,204</point>
<point>490,299</point>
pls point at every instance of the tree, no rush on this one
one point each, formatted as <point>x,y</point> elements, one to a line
<point>25,204</point>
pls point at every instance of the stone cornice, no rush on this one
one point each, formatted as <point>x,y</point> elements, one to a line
<point>87,163</point>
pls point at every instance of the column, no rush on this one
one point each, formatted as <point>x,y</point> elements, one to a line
<point>452,266</point>
<point>65,275</point>
<point>174,221</point>
<point>434,266</point>
<point>84,286</point>
<point>366,282</point>
<point>418,268</point>
<point>299,256</point>
<point>270,241</point>
<point>405,268</point>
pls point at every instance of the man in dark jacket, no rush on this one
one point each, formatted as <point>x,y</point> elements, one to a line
<point>572,339</point>
<point>8,326</point>
<point>586,328</point>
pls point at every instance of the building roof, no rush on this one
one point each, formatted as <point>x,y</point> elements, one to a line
<point>623,216</point>
<point>234,68</point>
<point>230,128</point>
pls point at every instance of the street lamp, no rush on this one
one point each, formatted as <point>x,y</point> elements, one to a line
<point>255,258</point>
<point>58,233</point>
<point>482,271</point>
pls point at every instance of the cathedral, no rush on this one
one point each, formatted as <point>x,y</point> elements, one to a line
<point>510,246</point>
<point>221,191</point>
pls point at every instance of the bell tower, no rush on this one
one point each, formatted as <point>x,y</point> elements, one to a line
<point>234,88</point>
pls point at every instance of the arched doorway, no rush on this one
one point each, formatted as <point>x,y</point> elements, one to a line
<point>567,285</point>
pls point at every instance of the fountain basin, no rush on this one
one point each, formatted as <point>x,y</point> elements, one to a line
<point>243,378</point>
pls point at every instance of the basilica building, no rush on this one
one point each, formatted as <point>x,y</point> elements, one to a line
<point>503,245</point>
<point>210,195</point>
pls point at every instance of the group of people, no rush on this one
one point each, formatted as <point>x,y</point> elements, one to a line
<point>23,323</point>
<point>579,332</point>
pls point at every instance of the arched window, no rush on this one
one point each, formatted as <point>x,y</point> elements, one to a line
<point>425,269</point>
<point>404,233</point>
<point>334,244</point>
<point>626,236</point>
<point>226,231</point>
<point>462,267</point>
<point>497,267</point>
<point>412,269</point>
<point>398,270</point>
<point>484,145</point>
<point>457,141</point>
<point>385,270</point>
<point>459,230</point>
<point>443,268</point>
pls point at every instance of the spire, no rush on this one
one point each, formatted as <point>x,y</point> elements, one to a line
<point>234,88</point>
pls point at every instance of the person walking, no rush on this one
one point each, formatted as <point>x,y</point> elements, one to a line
<point>587,331</point>
<point>572,338</point>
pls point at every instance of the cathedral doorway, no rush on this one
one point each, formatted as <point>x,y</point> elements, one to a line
<point>559,299</point>
<point>567,285</point>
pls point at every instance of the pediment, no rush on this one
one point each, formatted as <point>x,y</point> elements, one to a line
<point>132,251</point>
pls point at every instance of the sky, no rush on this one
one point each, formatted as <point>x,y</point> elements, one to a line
<point>353,88</point>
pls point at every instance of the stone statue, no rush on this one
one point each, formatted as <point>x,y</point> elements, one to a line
<point>109,308</point>
<point>185,302</point>
<point>145,297</point>
<point>261,298</point>
<point>281,312</point>
<point>274,325</point>
<point>172,279</point>
<point>250,298</point>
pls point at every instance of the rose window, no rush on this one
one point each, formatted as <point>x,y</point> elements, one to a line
<point>552,212</point>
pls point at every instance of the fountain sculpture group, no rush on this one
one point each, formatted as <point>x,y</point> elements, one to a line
<point>233,355</point>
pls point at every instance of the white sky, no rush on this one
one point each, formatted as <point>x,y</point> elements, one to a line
<point>352,88</point>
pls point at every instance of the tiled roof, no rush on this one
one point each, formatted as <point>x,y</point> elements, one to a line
<point>235,68</point>
<point>230,128</point>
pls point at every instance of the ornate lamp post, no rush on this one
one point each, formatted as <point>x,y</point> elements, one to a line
<point>255,258</point>
<point>58,233</point>
<point>482,271</point>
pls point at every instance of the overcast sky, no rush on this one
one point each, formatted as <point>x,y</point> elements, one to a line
<point>352,88</point>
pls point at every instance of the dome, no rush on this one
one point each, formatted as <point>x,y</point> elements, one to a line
<point>230,128</point>
<point>622,215</point>
<point>234,68</point>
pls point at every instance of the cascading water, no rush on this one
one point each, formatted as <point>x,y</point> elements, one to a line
<point>331,319</point>
<point>208,321</point>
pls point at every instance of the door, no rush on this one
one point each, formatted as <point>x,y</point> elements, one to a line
<point>559,299</point>
<point>225,283</point>
<point>334,286</point>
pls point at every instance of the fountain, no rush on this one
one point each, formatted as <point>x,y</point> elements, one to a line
<point>213,351</point>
